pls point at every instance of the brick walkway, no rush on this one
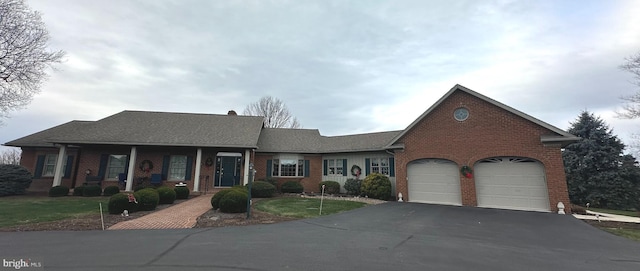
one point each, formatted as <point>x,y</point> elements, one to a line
<point>180,216</point>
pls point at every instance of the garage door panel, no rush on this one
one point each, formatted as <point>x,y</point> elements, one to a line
<point>511,183</point>
<point>434,181</point>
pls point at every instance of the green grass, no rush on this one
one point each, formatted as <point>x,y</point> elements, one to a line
<point>19,210</point>
<point>632,234</point>
<point>305,207</point>
<point>615,212</point>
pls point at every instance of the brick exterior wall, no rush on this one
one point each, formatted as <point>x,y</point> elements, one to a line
<point>29,159</point>
<point>310,184</point>
<point>488,132</point>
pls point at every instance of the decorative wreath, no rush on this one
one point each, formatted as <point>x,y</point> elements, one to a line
<point>146,166</point>
<point>208,162</point>
<point>356,171</point>
<point>466,171</point>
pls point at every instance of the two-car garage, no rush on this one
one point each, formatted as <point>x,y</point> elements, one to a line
<point>502,182</point>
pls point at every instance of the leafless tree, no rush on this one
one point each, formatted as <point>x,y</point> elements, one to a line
<point>275,112</point>
<point>10,157</point>
<point>23,55</point>
<point>631,107</point>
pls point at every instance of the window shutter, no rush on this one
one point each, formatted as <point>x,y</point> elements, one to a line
<point>67,169</point>
<point>269,167</point>
<point>126,166</point>
<point>367,166</point>
<point>306,168</point>
<point>187,176</point>
<point>39,165</point>
<point>324,167</point>
<point>392,167</point>
<point>165,166</point>
<point>102,170</point>
<point>344,167</point>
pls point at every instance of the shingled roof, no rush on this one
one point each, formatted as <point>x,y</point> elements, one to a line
<point>310,141</point>
<point>41,139</point>
<point>159,129</point>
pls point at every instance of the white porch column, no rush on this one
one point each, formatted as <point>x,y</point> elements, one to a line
<point>247,160</point>
<point>57,176</point>
<point>196,182</point>
<point>132,168</point>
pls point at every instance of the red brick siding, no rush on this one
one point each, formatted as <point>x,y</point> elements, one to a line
<point>488,132</point>
<point>310,184</point>
<point>29,159</point>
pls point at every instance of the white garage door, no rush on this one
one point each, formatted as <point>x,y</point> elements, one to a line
<point>511,183</point>
<point>434,181</point>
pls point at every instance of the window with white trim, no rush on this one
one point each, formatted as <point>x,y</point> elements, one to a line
<point>288,166</point>
<point>49,167</point>
<point>178,167</point>
<point>116,165</point>
<point>335,167</point>
<point>380,165</point>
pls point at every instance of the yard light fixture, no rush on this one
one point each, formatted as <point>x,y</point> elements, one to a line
<point>88,172</point>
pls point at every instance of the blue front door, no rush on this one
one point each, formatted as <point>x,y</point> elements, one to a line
<point>227,171</point>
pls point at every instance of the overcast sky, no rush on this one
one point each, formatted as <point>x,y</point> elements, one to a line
<point>342,67</point>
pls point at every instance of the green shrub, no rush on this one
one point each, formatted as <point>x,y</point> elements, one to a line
<point>120,202</point>
<point>292,187</point>
<point>77,191</point>
<point>353,186</point>
<point>143,186</point>
<point>147,198</point>
<point>330,187</point>
<point>14,180</point>
<point>270,180</point>
<point>111,190</point>
<point>241,187</point>
<point>260,189</point>
<point>182,192</point>
<point>215,199</point>
<point>59,191</point>
<point>234,202</point>
<point>92,191</point>
<point>166,194</point>
<point>377,186</point>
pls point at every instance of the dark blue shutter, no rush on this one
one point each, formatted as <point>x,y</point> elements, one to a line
<point>306,168</point>
<point>165,166</point>
<point>269,167</point>
<point>67,168</point>
<point>344,167</point>
<point>187,176</point>
<point>102,170</point>
<point>324,167</point>
<point>126,166</point>
<point>39,165</point>
<point>367,166</point>
<point>392,167</point>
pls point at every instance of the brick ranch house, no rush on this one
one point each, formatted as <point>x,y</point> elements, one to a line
<point>515,159</point>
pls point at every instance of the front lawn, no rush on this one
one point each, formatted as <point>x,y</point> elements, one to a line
<point>19,210</point>
<point>615,212</point>
<point>633,234</point>
<point>305,207</point>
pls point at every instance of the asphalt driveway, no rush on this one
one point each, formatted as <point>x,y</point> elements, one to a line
<point>390,236</point>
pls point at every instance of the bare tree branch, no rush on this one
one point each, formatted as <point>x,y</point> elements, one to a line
<point>275,113</point>
<point>24,57</point>
<point>631,106</point>
<point>10,157</point>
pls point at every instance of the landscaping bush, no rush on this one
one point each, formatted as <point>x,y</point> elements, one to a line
<point>181,192</point>
<point>111,190</point>
<point>147,198</point>
<point>14,180</point>
<point>241,187</point>
<point>353,187</point>
<point>330,187</point>
<point>376,186</point>
<point>120,202</point>
<point>77,191</point>
<point>59,191</point>
<point>292,187</point>
<point>166,194</point>
<point>143,186</point>
<point>234,202</point>
<point>260,189</point>
<point>270,180</point>
<point>215,199</point>
<point>92,191</point>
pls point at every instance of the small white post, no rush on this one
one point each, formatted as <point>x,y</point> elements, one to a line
<point>560,208</point>
<point>321,199</point>
<point>101,216</point>
<point>400,197</point>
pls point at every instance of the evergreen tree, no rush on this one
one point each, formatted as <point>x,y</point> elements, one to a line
<point>597,170</point>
